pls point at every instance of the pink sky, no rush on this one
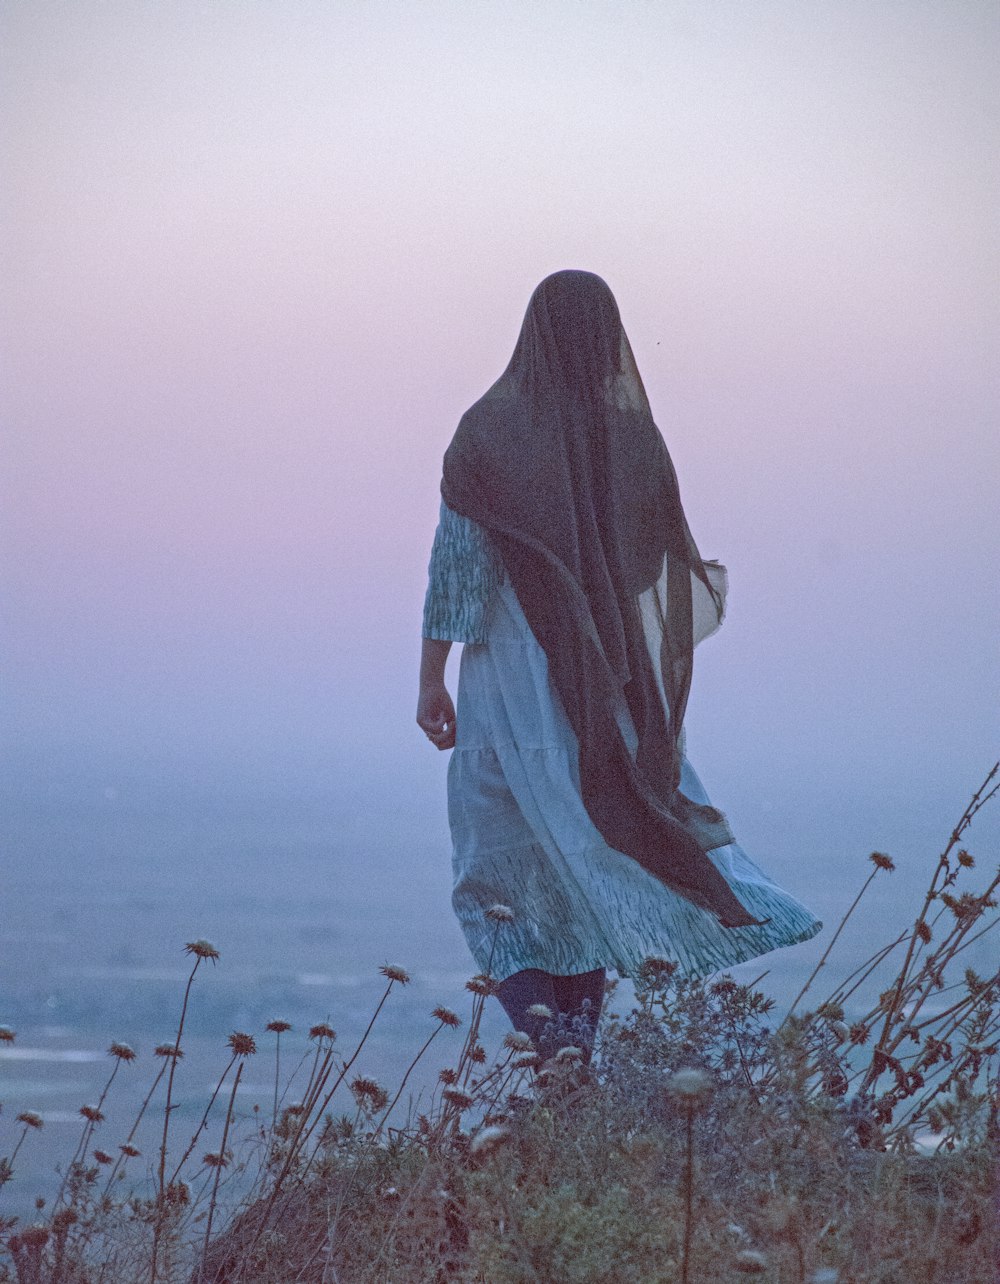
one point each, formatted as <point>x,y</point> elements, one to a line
<point>261,255</point>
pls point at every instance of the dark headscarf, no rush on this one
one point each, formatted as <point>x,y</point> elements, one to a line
<point>562,463</point>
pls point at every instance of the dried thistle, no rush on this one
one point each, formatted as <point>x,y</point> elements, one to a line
<point>30,1119</point>
<point>168,1050</point>
<point>569,1055</point>
<point>243,1045</point>
<point>122,1052</point>
<point>201,949</point>
<point>7,1035</point>
<point>518,1041</point>
<point>103,1157</point>
<point>92,1114</point>
<point>542,1011</point>
<point>446,1016</point>
<point>689,1084</point>
<point>881,861</point>
<point>655,970</point>
<point>322,1031</point>
<point>278,1027</point>
<point>369,1094</point>
<point>395,973</point>
<point>487,1140</point>
<point>500,914</point>
<point>456,1097</point>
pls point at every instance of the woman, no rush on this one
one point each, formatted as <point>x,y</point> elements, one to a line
<point>564,563</point>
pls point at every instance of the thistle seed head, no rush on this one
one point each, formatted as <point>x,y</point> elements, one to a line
<point>243,1045</point>
<point>30,1119</point>
<point>518,1041</point>
<point>569,1055</point>
<point>447,1076</point>
<point>7,1035</point>
<point>103,1157</point>
<point>459,1099</point>
<point>214,1160</point>
<point>655,969</point>
<point>482,985</point>
<point>129,1151</point>
<point>500,914</point>
<point>488,1140</point>
<point>122,1052</point>
<point>924,932</point>
<point>446,1016</point>
<point>92,1113</point>
<point>201,949</point>
<point>278,1027</point>
<point>966,859</point>
<point>322,1031</point>
<point>881,861</point>
<point>168,1050</point>
<point>395,973</point>
<point>689,1084</point>
<point>542,1011</point>
<point>369,1094</point>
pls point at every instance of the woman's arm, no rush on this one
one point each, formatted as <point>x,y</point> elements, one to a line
<point>435,711</point>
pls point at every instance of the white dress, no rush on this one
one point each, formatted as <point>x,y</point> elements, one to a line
<point>521,835</point>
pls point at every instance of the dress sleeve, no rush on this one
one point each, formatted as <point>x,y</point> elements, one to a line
<point>464,570</point>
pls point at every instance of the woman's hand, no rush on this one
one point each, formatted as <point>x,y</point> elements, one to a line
<point>436,715</point>
<point>435,711</point>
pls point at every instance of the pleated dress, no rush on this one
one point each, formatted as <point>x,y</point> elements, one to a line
<point>521,835</point>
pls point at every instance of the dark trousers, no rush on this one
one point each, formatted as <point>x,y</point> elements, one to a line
<point>574,1001</point>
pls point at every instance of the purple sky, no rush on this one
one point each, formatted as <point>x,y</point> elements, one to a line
<point>260,255</point>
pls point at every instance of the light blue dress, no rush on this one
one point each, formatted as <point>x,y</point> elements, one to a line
<point>520,832</point>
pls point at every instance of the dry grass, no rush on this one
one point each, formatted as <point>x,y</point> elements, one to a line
<point>706,1143</point>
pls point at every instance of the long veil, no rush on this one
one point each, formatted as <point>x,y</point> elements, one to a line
<point>562,463</point>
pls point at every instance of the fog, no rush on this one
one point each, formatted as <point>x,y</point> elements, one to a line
<point>261,256</point>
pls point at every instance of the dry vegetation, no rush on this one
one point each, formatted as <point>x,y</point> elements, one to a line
<point>856,1141</point>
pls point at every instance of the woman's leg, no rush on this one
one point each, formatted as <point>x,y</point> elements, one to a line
<point>524,990</point>
<point>574,1001</point>
<point>580,999</point>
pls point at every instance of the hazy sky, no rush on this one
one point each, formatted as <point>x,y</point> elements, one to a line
<point>260,255</point>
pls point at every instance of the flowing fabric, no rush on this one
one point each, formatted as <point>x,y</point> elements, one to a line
<point>522,836</point>
<point>562,464</point>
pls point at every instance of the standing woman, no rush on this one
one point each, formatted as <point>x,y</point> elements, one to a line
<point>564,563</point>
